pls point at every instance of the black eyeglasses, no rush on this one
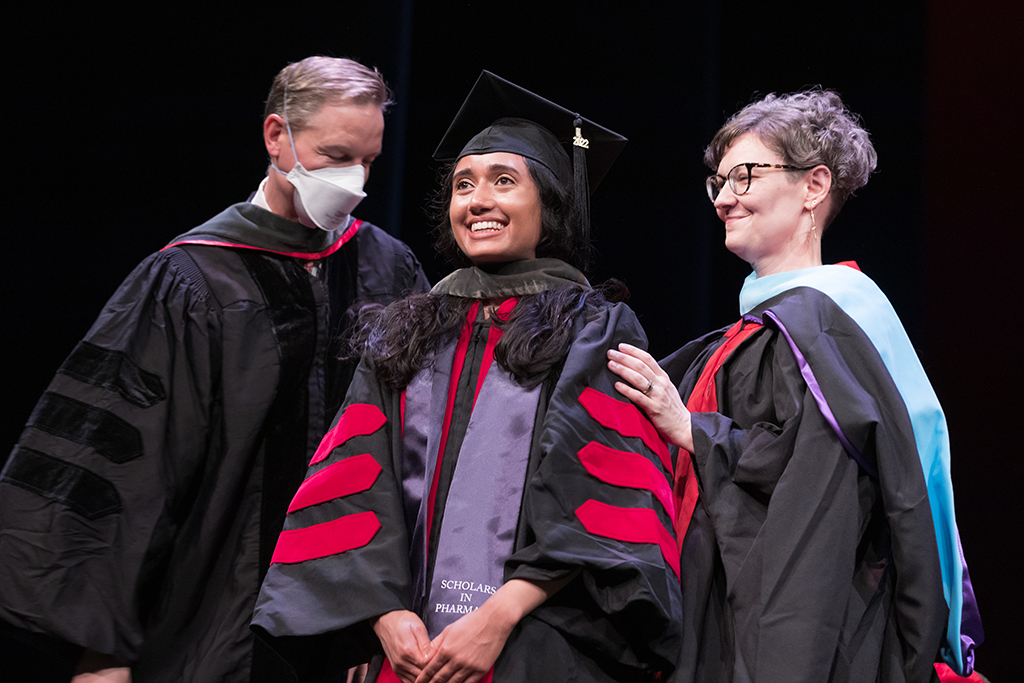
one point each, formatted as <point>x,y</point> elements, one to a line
<point>740,177</point>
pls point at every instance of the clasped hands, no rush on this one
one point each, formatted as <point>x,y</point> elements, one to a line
<point>466,649</point>
<point>462,653</point>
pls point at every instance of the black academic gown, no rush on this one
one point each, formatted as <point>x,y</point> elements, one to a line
<point>139,508</point>
<point>617,620</point>
<point>802,563</point>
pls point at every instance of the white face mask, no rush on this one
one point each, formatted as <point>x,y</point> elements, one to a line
<point>324,198</point>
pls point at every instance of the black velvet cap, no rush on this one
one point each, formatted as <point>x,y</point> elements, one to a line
<point>499,116</point>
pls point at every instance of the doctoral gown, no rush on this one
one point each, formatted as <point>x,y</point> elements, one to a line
<point>822,542</point>
<point>140,507</point>
<point>429,497</point>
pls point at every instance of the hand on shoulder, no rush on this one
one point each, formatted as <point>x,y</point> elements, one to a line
<point>650,388</point>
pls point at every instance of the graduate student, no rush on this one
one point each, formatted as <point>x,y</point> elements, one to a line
<point>140,508</point>
<point>812,493</point>
<point>485,506</point>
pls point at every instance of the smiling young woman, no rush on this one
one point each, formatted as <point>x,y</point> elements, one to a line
<point>495,209</point>
<point>487,537</point>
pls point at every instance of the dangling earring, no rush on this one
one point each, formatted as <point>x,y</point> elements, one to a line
<point>814,226</point>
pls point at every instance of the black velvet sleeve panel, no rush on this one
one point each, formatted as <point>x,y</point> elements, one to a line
<point>132,415</point>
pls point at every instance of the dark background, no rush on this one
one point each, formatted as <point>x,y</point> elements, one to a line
<point>124,129</point>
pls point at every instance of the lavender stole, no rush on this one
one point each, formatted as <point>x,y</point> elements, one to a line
<point>482,510</point>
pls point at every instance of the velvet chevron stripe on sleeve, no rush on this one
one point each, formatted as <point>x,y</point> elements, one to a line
<point>328,538</point>
<point>623,468</point>
<point>626,419</point>
<point>359,419</point>
<point>342,478</point>
<point>633,525</point>
<point>627,469</point>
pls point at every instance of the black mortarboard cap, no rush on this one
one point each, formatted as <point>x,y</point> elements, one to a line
<point>499,116</point>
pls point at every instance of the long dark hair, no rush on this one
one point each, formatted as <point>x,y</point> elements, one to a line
<point>404,337</point>
<point>558,239</point>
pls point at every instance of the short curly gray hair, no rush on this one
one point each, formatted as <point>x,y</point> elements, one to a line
<point>316,81</point>
<point>806,129</point>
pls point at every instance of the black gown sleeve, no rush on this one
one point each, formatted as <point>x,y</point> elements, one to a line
<point>809,543</point>
<point>784,501</point>
<point>599,504</point>
<point>91,496</point>
<point>387,269</point>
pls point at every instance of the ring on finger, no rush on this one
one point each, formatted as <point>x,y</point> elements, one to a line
<point>650,385</point>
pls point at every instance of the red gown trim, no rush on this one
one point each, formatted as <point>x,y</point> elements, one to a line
<point>627,420</point>
<point>401,412</point>
<point>328,538</point>
<point>633,525</point>
<point>359,419</point>
<point>453,385</point>
<point>343,478</point>
<point>623,468</point>
<point>703,399</point>
<point>947,675</point>
<point>349,233</point>
<point>493,337</point>
<point>387,674</point>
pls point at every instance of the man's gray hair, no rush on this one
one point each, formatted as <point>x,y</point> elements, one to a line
<point>316,81</point>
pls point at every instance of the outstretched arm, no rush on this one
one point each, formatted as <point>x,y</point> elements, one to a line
<point>656,394</point>
<point>468,648</point>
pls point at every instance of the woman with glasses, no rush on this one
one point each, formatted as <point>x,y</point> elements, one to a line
<point>812,491</point>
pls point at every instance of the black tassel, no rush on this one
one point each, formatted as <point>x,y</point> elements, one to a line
<point>581,188</point>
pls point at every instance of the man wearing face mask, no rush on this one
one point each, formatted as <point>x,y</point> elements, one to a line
<point>140,508</point>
